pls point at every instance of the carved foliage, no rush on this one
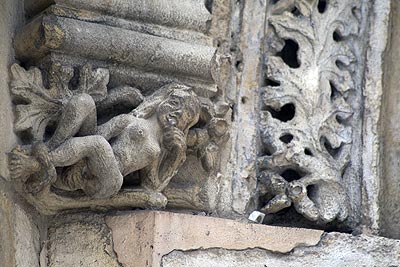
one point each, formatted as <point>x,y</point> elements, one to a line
<point>305,125</point>
<point>37,106</point>
<point>40,105</point>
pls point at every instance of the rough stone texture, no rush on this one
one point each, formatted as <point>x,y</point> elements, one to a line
<point>117,45</point>
<point>27,239</point>
<point>187,14</point>
<point>144,54</point>
<point>80,240</point>
<point>151,140</point>
<point>389,195</point>
<point>19,231</point>
<point>142,238</point>
<point>311,114</point>
<point>372,179</point>
<point>216,48</point>
<point>8,22</point>
<point>334,250</point>
<point>33,7</point>
<point>85,123</point>
<point>239,185</point>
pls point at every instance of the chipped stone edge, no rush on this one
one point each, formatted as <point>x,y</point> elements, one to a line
<point>373,90</point>
<point>306,243</point>
<point>317,243</point>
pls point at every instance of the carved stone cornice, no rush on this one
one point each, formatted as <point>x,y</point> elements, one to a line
<point>181,14</point>
<point>150,38</point>
<point>107,43</point>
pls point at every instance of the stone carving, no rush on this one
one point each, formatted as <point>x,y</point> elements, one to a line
<point>305,123</point>
<point>72,150</point>
<point>145,43</point>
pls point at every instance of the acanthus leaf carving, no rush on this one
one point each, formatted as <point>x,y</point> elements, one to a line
<point>94,82</point>
<point>39,104</point>
<point>305,125</point>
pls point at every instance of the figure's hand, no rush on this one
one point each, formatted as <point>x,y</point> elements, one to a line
<point>21,164</point>
<point>174,139</point>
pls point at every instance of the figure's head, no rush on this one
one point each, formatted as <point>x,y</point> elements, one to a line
<point>181,108</point>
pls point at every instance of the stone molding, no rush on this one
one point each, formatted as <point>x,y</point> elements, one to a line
<point>141,239</point>
<point>183,14</point>
<point>106,43</point>
<point>131,51</point>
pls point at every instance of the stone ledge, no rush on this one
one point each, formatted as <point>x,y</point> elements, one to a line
<point>334,249</point>
<point>143,238</point>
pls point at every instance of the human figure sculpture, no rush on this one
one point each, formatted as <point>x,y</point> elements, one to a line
<point>151,139</point>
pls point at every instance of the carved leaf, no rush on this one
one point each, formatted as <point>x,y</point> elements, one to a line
<point>305,123</point>
<point>40,105</point>
<point>94,82</point>
<point>59,79</point>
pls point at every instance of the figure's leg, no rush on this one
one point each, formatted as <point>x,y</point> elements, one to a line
<point>102,165</point>
<point>78,116</point>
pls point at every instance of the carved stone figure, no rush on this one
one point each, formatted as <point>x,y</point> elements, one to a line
<point>82,155</point>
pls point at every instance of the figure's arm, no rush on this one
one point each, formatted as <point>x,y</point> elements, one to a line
<point>126,96</point>
<point>114,126</point>
<point>158,176</point>
<point>169,167</point>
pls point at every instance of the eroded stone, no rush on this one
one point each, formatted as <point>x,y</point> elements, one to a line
<point>143,238</point>
<point>335,249</point>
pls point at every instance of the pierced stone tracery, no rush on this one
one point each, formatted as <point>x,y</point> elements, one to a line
<point>306,127</point>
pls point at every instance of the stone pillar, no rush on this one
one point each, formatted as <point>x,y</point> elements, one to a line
<point>389,195</point>
<point>19,225</point>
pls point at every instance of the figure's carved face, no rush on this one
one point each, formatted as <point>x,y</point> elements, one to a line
<point>180,109</point>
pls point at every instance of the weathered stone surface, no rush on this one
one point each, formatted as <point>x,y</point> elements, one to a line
<point>239,186</point>
<point>80,240</point>
<point>32,7</point>
<point>132,76</point>
<point>187,14</point>
<point>143,238</point>
<point>19,232</point>
<point>151,140</point>
<point>8,22</point>
<point>373,117</point>
<point>27,240</point>
<point>6,230</point>
<point>116,45</point>
<point>215,47</point>
<point>334,250</point>
<point>311,109</point>
<point>61,105</point>
<point>129,42</point>
<point>389,195</point>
